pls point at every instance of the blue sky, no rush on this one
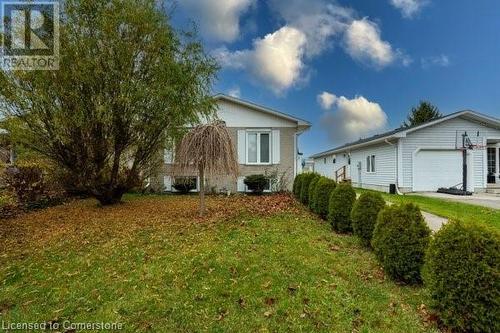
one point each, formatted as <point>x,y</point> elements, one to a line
<point>353,68</point>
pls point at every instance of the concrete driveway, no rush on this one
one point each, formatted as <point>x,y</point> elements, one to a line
<point>480,199</point>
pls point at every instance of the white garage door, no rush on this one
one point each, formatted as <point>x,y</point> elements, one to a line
<point>437,168</point>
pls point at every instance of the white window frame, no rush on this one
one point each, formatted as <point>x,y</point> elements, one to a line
<point>259,132</point>
<point>371,164</point>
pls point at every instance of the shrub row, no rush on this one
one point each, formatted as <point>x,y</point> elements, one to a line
<point>314,191</point>
<point>459,265</point>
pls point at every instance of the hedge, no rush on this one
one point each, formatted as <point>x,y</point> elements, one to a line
<point>462,274</point>
<point>256,183</point>
<point>400,240</point>
<point>304,190</point>
<point>321,197</point>
<point>312,190</point>
<point>297,185</point>
<point>340,207</point>
<point>364,215</point>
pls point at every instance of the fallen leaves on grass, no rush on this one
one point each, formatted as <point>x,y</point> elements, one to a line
<point>83,223</point>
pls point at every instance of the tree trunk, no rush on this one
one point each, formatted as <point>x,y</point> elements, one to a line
<point>202,190</point>
<point>108,198</point>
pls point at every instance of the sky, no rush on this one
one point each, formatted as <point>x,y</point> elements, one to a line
<point>352,68</point>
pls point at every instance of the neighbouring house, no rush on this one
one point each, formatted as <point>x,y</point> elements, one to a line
<point>308,165</point>
<point>422,158</point>
<point>265,140</point>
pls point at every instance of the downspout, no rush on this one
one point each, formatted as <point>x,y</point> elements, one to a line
<point>296,149</point>
<point>397,166</point>
<point>296,154</point>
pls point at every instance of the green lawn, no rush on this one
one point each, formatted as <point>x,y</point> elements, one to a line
<point>448,209</point>
<point>254,264</point>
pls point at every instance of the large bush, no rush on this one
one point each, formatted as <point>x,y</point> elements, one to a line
<point>462,274</point>
<point>364,215</point>
<point>340,206</point>
<point>297,185</point>
<point>312,190</point>
<point>400,240</point>
<point>256,183</point>
<point>8,206</point>
<point>321,197</point>
<point>32,185</point>
<point>304,190</point>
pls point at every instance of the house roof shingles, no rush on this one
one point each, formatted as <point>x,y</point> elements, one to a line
<point>395,132</point>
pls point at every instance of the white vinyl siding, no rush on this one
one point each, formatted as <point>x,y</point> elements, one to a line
<point>328,169</point>
<point>444,136</point>
<point>384,158</point>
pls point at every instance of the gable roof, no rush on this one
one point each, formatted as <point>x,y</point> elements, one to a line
<point>403,131</point>
<point>301,123</point>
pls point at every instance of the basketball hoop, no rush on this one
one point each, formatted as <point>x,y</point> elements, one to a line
<point>478,147</point>
<point>468,145</point>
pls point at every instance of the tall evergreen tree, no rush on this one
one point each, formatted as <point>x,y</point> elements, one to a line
<point>422,114</point>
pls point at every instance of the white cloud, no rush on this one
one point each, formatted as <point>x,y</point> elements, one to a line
<point>279,60</point>
<point>435,61</point>
<point>364,43</point>
<point>235,92</point>
<point>409,8</point>
<point>276,59</point>
<point>326,100</point>
<point>218,19</point>
<point>352,119</point>
<point>319,20</point>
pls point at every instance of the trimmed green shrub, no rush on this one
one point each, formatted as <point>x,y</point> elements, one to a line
<point>364,215</point>
<point>304,190</point>
<point>256,183</point>
<point>339,208</point>
<point>312,190</point>
<point>297,185</point>
<point>321,197</point>
<point>462,274</point>
<point>400,239</point>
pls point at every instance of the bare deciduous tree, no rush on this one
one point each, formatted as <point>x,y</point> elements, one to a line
<point>209,151</point>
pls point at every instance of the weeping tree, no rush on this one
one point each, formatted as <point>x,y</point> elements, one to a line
<point>127,83</point>
<point>208,150</point>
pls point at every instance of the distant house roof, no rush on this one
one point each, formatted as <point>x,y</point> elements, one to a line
<point>301,123</point>
<point>403,131</point>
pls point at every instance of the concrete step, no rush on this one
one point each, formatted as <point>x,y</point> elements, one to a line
<point>495,191</point>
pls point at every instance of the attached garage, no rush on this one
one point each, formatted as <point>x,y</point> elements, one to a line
<point>425,157</point>
<point>437,168</point>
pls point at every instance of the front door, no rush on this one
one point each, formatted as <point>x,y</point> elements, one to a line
<point>493,164</point>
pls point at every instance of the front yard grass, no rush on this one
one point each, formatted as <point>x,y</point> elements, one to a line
<point>253,264</point>
<point>448,209</point>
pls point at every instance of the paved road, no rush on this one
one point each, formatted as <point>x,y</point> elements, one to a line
<point>480,199</point>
